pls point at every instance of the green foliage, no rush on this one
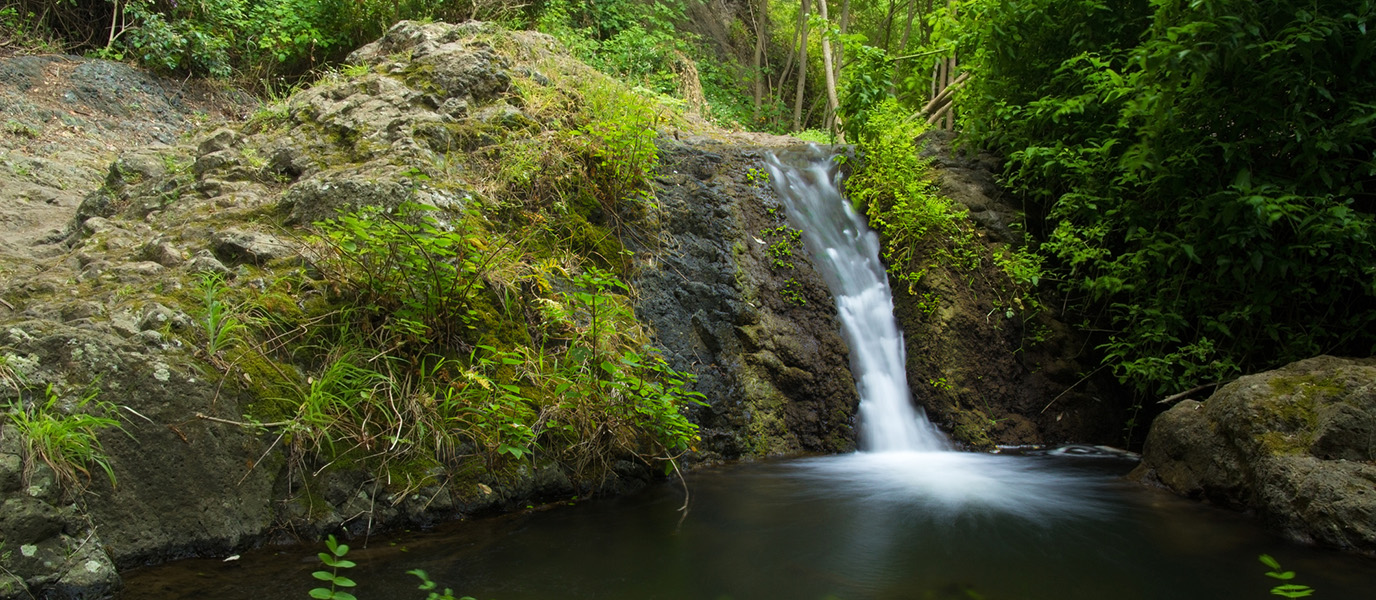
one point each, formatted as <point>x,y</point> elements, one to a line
<point>335,560</point>
<point>427,585</point>
<point>415,277</point>
<point>1217,230</point>
<point>897,194</point>
<point>221,325</point>
<point>611,393</point>
<point>864,89</point>
<point>267,38</point>
<point>1284,590</point>
<point>631,40</point>
<point>620,139</point>
<point>815,136</point>
<point>783,242</point>
<point>793,292</point>
<point>63,435</point>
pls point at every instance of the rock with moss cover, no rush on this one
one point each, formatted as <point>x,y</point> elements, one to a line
<point>734,299</point>
<point>1296,445</point>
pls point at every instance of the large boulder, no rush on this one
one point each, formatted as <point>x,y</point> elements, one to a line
<point>1297,445</point>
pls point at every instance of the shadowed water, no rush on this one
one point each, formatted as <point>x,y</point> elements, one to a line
<point>817,529</point>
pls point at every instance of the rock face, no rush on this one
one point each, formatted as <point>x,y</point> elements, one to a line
<point>989,369</point>
<point>1296,445</point>
<point>734,299</point>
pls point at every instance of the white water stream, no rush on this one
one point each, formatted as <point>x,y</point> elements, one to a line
<point>847,253</point>
<point>903,457</point>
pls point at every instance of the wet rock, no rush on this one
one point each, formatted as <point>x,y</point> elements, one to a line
<point>211,162</point>
<point>137,184</point>
<point>458,65</point>
<point>771,363</point>
<point>11,471</point>
<point>219,140</point>
<point>25,518</point>
<point>237,246</point>
<point>327,195</point>
<point>87,574</point>
<point>1295,445</point>
<point>156,316</point>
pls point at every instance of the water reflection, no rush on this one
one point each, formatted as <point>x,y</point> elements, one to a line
<point>1029,528</point>
<point>943,485</point>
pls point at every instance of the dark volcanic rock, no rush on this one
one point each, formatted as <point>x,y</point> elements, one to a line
<point>762,337</point>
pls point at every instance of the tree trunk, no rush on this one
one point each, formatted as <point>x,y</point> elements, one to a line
<point>802,66</point>
<point>903,43</point>
<point>759,59</point>
<point>845,26</point>
<point>886,30</point>
<point>833,120</point>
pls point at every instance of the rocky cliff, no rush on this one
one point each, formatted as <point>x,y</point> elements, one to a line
<point>195,297</point>
<point>114,305</point>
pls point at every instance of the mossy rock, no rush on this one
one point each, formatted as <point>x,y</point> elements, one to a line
<point>1294,444</point>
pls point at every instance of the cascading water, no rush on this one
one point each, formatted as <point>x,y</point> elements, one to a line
<point>904,459</point>
<point>848,253</point>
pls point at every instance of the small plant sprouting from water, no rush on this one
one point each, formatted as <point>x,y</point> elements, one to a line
<point>428,585</point>
<point>1285,590</point>
<point>336,561</point>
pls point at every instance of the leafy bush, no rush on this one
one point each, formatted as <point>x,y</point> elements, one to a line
<point>415,277</point>
<point>631,40</point>
<point>896,192</point>
<point>1200,173</point>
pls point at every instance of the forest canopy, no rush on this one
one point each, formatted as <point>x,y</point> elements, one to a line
<point>1201,173</point>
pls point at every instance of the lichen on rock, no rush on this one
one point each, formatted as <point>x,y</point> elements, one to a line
<point>1296,445</point>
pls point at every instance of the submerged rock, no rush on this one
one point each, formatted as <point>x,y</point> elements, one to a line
<point>1297,445</point>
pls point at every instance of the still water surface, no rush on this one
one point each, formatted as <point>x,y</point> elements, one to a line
<point>1034,527</point>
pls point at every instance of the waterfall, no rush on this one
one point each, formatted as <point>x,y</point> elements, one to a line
<point>846,253</point>
<point>901,470</point>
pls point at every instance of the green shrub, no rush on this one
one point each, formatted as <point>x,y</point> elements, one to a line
<point>895,190</point>
<point>1199,173</point>
<point>414,277</point>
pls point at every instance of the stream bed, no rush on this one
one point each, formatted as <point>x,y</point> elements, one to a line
<point>855,527</point>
